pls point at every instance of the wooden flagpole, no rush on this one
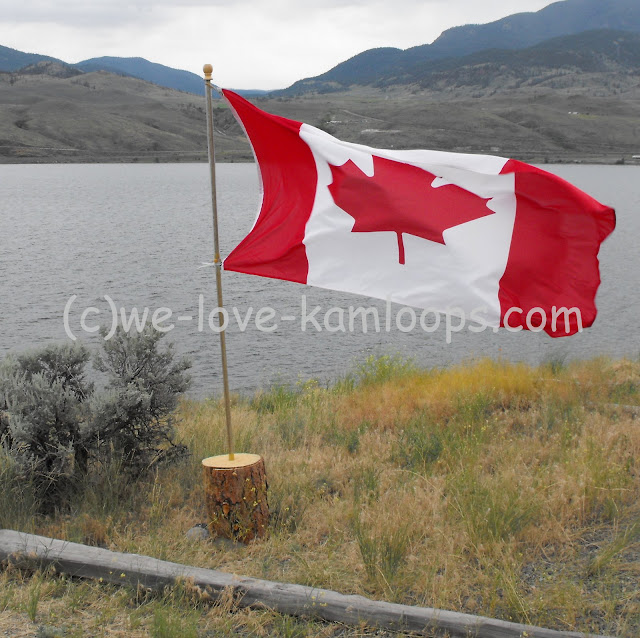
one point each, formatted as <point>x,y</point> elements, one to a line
<point>208,69</point>
<point>235,486</point>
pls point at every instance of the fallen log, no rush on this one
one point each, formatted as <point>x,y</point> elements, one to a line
<point>30,551</point>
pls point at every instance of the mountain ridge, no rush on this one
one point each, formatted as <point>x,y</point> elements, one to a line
<point>597,51</point>
<point>12,61</point>
<point>143,69</point>
<point>518,31</point>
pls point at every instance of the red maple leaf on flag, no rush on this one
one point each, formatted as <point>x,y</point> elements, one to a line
<point>400,198</point>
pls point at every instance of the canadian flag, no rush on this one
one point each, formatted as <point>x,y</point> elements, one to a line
<point>449,232</point>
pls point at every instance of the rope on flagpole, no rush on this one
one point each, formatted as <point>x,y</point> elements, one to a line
<point>217,261</point>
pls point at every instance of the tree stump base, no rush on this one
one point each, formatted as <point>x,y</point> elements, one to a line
<point>236,496</point>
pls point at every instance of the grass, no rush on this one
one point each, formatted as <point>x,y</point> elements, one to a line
<point>488,488</point>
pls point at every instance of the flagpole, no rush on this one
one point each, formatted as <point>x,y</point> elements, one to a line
<point>208,70</point>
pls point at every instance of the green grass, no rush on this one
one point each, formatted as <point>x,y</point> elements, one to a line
<point>384,554</point>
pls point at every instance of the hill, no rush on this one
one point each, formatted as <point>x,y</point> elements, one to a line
<point>53,112</point>
<point>522,30</point>
<point>149,71</point>
<point>603,51</point>
<point>156,73</point>
<point>570,98</point>
<point>12,59</point>
<point>518,31</point>
<point>384,66</point>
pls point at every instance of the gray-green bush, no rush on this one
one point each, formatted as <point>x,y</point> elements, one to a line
<point>134,415</point>
<point>44,396</point>
<point>56,428</point>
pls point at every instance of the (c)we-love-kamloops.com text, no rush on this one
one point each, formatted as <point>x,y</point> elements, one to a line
<point>335,319</point>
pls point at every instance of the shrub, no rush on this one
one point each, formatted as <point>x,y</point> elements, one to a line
<point>53,424</point>
<point>43,396</point>
<point>134,416</point>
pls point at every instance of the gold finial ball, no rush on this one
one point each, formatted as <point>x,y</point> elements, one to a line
<point>208,70</point>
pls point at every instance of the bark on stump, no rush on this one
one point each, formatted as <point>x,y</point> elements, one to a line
<point>236,496</point>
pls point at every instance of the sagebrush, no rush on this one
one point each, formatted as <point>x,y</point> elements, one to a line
<point>55,427</point>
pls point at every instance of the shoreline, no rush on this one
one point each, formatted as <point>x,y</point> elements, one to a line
<point>240,157</point>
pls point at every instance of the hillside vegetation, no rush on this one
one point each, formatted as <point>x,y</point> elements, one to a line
<point>575,97</point>
<point>490,488</point>
<point>52,112</point>
<point>49,112</point>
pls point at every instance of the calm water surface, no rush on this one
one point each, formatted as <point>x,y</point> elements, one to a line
<point>140,233</point>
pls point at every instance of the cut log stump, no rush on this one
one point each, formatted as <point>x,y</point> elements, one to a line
<point>236,496</point>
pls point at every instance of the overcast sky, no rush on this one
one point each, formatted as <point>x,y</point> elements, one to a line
<point>261,44</point>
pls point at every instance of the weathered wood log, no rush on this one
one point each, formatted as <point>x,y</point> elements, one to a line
<point>236,496</point>
<point>30,551</point>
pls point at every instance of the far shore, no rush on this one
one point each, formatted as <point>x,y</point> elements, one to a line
<point>245,157</point>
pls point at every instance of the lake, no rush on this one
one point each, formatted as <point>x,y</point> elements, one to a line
<point>82,236</point>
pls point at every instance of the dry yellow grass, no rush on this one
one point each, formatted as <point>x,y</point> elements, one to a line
<point>490,488</point>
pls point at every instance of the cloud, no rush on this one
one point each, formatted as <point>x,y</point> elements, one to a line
<point>92,12</point>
